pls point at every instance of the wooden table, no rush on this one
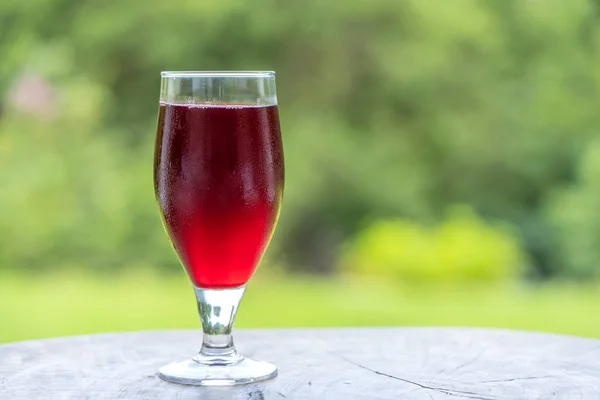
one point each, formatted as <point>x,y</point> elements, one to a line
<point>320,364</point>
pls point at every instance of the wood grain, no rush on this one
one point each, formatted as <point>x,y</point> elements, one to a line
<point>385,364</point>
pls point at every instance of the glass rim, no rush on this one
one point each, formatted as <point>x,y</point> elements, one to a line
<point>217,74</point>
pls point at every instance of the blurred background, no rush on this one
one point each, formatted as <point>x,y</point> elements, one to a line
<point>442,162</point>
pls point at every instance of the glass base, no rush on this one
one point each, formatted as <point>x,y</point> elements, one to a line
<point>192,372</point>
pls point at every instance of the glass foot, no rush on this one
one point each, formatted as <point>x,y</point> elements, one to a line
<point>192,372</point>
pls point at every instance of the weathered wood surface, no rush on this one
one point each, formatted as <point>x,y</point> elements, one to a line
<point>322,364</point>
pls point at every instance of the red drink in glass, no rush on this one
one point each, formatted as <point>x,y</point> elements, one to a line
<point>218,178</point>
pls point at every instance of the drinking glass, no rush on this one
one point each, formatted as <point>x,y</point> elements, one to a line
<point>218,180</point>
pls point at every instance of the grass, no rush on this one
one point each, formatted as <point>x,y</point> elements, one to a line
<point>70,304</point>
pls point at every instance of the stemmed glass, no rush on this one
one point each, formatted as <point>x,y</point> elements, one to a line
<point>218,179</point>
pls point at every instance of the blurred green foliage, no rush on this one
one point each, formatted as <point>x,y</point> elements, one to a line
<point>69,304</point>
<point>462,249</point>
<point>391,110</point>
<point>573,210</point>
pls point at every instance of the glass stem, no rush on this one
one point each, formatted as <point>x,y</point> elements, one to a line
<point>217,309</point>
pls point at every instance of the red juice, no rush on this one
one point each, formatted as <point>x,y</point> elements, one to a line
<point>218,178</point>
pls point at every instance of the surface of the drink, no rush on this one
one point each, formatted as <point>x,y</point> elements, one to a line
<point>218,177</point>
